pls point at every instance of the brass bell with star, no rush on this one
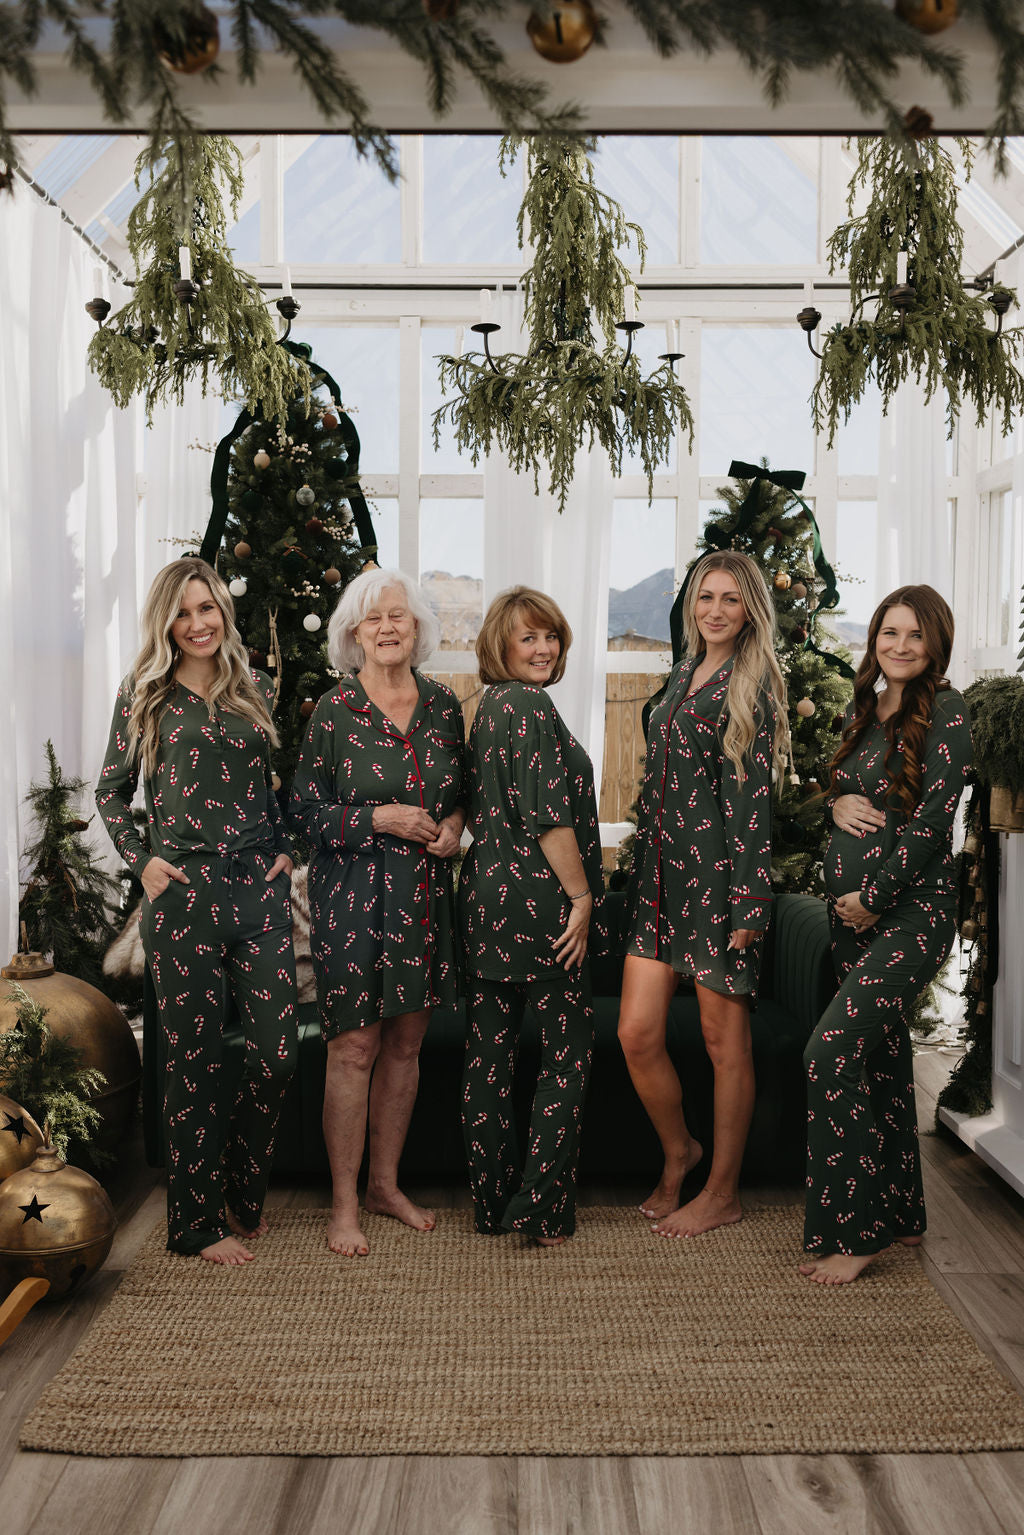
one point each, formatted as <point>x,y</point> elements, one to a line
<point>81,1014</point>
<point>20,1137</point>
<point>56,1223</point>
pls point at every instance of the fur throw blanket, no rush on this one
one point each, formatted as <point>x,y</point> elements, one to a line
<point>125,957</point>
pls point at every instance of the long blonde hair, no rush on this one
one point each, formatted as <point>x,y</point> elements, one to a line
<point>153,673</point>
<point>755,666</point>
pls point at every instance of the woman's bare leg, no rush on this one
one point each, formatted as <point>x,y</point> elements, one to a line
<point>647,987</point>
<point>392,1095</point>
<point>350,1058</point>
<point>725,1023</point>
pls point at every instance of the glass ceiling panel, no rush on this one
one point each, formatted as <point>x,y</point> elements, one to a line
<point>759,203</point>
<point>339,209</point>
<point>469,208</point>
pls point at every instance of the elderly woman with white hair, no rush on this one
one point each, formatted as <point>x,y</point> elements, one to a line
<point>379,793</point>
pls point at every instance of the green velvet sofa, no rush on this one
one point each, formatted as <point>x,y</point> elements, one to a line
<point>797,983</point>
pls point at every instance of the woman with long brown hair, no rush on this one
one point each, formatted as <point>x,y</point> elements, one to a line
<point>895,786</point>
<point>194,722</point>
<point>700,888</point>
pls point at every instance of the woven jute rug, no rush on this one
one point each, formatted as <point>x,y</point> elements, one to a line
<point>449,1343</point>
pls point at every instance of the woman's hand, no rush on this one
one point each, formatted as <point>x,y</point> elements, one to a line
<point>742,937</point>
<point>281,864</point>
<point>158,874</point>
<point>449,835</point>
<point>571,946</point>
<point>852,913</point>
<point>406,821</point>
<point>856,814</point>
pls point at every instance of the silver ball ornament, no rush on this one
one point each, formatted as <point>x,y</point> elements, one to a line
<point>305,495</point>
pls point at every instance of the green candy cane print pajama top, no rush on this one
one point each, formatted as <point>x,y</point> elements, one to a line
<point>863,1170</point>
<point>212,813</point>
<point>703,845</point>
<point>382,908</point>
<point>528,775</point>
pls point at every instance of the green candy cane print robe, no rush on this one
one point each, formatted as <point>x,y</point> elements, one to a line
<point>703,845</point>
<point>382,908</point>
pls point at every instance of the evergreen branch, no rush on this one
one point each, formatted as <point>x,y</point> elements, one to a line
<point>43,1072</point>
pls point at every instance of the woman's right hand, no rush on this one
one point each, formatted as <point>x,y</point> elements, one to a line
<point>856,814</point>
<point>407,821</point>
<point>157,875</point>
<point>571,946</point>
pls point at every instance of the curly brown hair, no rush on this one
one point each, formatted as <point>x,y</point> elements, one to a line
<point>912,720</point>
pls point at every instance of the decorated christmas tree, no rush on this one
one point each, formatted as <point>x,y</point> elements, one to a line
<point>68,899</point>
<point>764,516</point>
<point>292,528</point>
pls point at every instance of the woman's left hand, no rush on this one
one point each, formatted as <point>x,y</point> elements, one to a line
<point>852,913</point>
<point>742,937</point>
<point>282,864</point>
<point>449,836</point>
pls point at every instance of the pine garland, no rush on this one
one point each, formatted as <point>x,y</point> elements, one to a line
<point>42,1071</point>
<point>566,391</point>
<point>996,706</point>
<point>947,340</point>
<point>148,347</point>
<point>861,42</point>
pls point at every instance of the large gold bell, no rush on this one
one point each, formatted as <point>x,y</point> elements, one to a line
<point>20,1137</point>
<point>56,1223</point>
<point>81,1014</point>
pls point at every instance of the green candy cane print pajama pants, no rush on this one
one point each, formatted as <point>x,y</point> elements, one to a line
<point>863,1167</point>
<point>537,1197</point>
<point>226,921</point>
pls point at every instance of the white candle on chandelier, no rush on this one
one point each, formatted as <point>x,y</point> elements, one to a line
<point>286,283</point>
<point>670,336</point>
<point>185,263</point>
<point>630,302</point>
<point>97,282</point>
<point>460,336</point>
<point>485,305</point>
<point>995,274</point>
<point>901,268</point>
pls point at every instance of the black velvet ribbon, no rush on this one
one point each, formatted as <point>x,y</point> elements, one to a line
<point>349,436</point>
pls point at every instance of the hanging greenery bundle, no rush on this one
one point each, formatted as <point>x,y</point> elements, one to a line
<point>156,344</point>
<point>568,391</point>
<point>945,337</point>
<point>44,1073</point>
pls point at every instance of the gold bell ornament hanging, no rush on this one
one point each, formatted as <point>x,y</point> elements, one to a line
<point>196,50</point>
<point>86,1018</point>
<point>927,15</point>
<point>782,580</point>
<point>20,1137</point>
<point>56,1223</point>
<point>564,33</point>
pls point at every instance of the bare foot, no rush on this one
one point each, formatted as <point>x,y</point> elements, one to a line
<point>228,1251</point>
<point>402,1209</point>
<point>247,1232</point>
<point>837,1268</point>
<point>908,1241</point>
<point>703,1213</point>
<point>547,1241</point>
<point>344,1236</point>
<point>665,1198</point>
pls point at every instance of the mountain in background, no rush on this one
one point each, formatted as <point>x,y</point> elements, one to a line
<point>644,608</point>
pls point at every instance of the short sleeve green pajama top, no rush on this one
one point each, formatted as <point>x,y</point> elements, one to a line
<point>702,855</point>
<point>528,775</point>
<point>382,908</point>
<point>863,1169</point>
<point>213,814</point>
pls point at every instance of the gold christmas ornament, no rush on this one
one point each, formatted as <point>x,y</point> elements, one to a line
<point>199,47</point>
<point>242,550</point>
<point>261,459</point>
<point>782,580</point>
<point>331,576</point>
<point>20,1137</point>
<point>563,34</point>
<point>927,15</point>
<point>86,1018</point>
<point>329,420</point>
<point>799,590</point>
<point>56,1223</point>
<point>805,708</point>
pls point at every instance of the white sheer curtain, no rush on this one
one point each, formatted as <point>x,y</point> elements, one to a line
<point>915,543</point>
<point>80,532</point>
<point>527,542</point>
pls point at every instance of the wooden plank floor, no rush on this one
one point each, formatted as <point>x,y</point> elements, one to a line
<point>974,1254</point>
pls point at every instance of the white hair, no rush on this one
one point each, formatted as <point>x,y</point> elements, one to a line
<point>359,596</point>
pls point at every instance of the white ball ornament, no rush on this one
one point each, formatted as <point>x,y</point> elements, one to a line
<point>311,622</point>
<point>237,587</point>
<point>805,708</point>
